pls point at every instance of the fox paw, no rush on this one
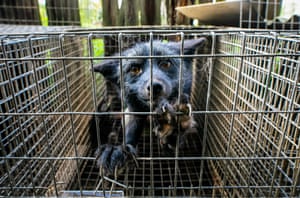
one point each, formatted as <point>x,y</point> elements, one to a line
<point>111,158</point>
<point>165,120</point>
<point>165,108</point>
<point>173,119</point>
<point>185,119</point>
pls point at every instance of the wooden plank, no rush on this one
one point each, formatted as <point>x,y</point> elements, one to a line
<point>220,13</point>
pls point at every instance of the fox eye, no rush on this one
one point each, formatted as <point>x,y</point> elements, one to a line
<point>135,70</point>
<point>165,64</point>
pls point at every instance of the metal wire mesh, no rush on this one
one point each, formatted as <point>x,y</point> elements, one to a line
<point>257,83</point>
<point>246,100</point>
<point>264,14</point>
<point>35,86</point>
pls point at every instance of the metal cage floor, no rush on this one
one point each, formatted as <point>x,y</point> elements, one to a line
<point>137,182</point>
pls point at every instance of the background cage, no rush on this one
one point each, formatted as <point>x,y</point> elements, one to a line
<point>246,100</point>
<point>264,14</point>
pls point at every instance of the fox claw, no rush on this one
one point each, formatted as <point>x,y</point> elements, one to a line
<point>186,109</point>
<point>111,157</point>
<point>165,107</point>
<point>169,124</point>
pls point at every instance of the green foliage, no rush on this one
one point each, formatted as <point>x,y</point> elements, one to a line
<point>90,12</point>
<point>43,13</point>
<point>98,47</point>
<point>277,64</point>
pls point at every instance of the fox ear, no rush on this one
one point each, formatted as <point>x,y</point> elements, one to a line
<point>191,45</point>
<point>109,69</point>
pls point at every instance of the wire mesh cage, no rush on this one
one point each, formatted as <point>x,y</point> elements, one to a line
<point>245,100</point>
<point>262,14</point>
<point>268,14</point>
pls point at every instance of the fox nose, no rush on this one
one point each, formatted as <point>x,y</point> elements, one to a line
<point>157,89</point>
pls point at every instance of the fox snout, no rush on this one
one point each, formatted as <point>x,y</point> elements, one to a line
<point>157,89</point>
<point>161,88</point>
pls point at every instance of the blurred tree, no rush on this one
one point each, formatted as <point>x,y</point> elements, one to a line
<point>150,12</point>
<point>130,12</point>
<point>24,12</point>
<point>174,18</point>
<point>111,13</point>
<point>64,12</point>
<point>125,14</point>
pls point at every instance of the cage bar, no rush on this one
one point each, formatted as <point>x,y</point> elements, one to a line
<point>49,94</point>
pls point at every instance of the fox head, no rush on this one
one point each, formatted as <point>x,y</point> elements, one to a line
<point>149,78</point>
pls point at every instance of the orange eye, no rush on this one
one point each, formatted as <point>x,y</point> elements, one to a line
<point>135,70</point>
<point>165,64</point>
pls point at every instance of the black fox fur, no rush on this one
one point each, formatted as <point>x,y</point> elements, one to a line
<point>173,114</point>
